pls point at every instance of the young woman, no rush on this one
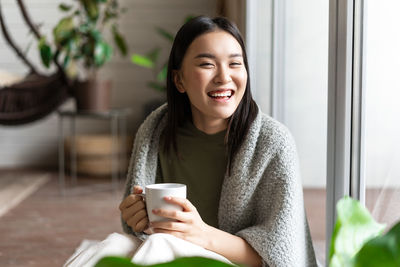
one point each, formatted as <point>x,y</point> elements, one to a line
<point>240,166</point>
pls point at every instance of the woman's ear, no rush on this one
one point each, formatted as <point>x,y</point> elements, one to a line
<point>178,81</point>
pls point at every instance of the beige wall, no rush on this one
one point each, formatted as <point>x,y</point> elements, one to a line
<point>36,144</point>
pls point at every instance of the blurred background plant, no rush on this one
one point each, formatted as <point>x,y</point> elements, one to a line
<point>80,37</point>
<point>151,60</point>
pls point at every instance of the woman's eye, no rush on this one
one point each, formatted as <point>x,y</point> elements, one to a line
<point>206,64</point>
<point>236,63</point>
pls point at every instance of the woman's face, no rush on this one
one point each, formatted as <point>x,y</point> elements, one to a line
<point>214,77</point>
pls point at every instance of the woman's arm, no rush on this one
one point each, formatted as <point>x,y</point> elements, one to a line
<point>232,247</point>
<point>189,226</point>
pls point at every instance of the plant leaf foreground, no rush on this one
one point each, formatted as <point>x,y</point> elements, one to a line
<point>180,262</point>
<point>357,239</point>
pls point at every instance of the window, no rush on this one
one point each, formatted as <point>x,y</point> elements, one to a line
<point>382,128</point>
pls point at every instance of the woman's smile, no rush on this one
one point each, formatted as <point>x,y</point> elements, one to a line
<point>221,95</point>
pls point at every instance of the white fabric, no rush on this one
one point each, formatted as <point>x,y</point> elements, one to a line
<point>157,248</point>
<point>90,251</point>
<point>160,248</point>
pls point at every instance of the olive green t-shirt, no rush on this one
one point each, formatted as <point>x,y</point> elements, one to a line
<point>200,164</point>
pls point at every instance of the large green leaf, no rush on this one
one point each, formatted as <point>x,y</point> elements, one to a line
<point>119,41</point>
<point>193,262</point>
<point>64,30</point>
<point>45,52</point>
<point>180,262</point>
<point>381,251</point>
<point>354,226</point>
<point>142,61</point>
<point>114,262</point>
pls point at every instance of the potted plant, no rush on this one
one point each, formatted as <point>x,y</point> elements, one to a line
<point>79,42</point>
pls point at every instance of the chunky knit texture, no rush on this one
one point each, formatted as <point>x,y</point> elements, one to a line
<point>261,201</point>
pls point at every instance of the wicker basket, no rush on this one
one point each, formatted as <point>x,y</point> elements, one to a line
<point>94,154</point>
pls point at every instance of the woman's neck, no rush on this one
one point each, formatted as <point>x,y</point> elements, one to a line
<point>210,126</point>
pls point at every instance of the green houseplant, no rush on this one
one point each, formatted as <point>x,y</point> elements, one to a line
<point>80,43</point>
<point>358,241</point>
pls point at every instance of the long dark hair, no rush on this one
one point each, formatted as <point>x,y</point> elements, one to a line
<point>178,103</point>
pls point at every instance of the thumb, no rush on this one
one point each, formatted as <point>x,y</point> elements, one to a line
<point>137,189</point>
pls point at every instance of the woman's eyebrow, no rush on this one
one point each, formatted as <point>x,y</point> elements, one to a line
<point>236,55</point>
<point>208,55</point>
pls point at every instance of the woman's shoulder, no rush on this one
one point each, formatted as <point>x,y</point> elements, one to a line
<point>272,132</point>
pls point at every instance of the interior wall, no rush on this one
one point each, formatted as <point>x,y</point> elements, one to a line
<point>35,144</point>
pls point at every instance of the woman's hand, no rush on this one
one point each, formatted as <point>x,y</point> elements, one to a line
<point>188,225</point>
<point>133,210</point>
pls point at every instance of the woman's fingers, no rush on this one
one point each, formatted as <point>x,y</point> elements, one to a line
<point>172,214</point>
<point>135,219</point>
<point>170,226</point>
<point>129,201</point>
<point>183,202</point>
<point>133,209</point>
<point>183,216</point>
<point>142,224</point>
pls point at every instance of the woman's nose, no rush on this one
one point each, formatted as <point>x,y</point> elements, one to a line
<point>223,76</point>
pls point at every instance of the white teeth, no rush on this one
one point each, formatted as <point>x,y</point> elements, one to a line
<point>227,93</point>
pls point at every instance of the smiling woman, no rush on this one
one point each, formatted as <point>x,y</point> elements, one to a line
<point>240,166</point>
<point>244,196</point>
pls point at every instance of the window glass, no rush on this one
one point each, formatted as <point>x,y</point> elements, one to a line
<point>382,127</point>
<point>305,103</point>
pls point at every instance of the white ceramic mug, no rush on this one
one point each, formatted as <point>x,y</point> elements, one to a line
<point>154,198</point>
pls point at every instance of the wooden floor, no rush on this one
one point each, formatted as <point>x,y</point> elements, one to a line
<point>45,228</point>
<point>314,202</point>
